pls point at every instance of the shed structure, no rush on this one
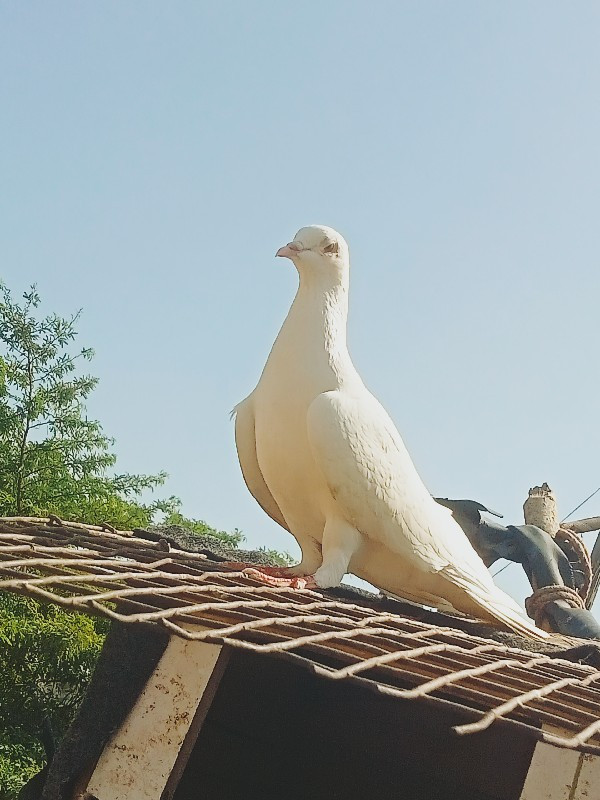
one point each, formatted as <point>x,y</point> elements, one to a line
<point>257,691</point>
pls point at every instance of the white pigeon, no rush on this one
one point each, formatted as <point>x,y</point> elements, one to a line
<point>324,460</point>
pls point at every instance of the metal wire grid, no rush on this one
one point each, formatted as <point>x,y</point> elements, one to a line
<point>94,570</point>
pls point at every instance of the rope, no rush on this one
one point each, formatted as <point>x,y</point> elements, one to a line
<point>574,548</point>
<point>535,605</point>
<point>569,540</point>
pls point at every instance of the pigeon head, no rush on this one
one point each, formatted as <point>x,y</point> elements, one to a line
<point>317,248</point>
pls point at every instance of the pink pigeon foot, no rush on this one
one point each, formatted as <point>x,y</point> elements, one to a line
<point>241,566</point>
<point>273,576</point>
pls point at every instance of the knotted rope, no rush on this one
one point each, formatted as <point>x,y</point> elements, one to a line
<point>574,548</point>
<point>568,540</point>
<point>535,605</point>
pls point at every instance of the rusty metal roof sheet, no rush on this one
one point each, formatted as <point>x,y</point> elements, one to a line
<point>98,570</point>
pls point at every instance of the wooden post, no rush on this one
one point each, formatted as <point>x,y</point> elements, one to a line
<point>139,759</point>
<point>584,525</point>
<point>540,509</point>
<point>560,774</point>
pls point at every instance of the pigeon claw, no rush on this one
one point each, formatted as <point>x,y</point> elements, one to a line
<point>272,576</point>
<point>298,582</point>
<point>242,566</point>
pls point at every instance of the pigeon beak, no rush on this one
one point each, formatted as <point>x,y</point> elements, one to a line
<point>290,250</point>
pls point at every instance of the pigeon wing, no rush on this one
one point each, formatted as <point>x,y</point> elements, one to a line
<point>374,482</point>
<point>245,442</point>
<point>372,478</point>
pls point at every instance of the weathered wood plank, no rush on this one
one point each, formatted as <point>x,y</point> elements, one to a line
<point>140,757</point>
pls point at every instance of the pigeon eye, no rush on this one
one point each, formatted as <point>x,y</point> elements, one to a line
<point>331,248</point>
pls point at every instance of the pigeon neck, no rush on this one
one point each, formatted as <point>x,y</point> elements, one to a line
<point>310,348</point>
<point>318,288</point>
<point>324,305</point>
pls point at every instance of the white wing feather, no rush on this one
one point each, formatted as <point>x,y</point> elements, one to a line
<point>245,441</point>
<point>375,484</point>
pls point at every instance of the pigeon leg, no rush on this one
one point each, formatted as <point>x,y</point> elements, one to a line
<point>340,542</point>
<point>285,576</point>
<point>312,558</point>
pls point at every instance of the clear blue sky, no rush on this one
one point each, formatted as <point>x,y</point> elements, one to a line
<point>155,155</point>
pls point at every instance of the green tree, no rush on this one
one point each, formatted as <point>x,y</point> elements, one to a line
<point>200,528</point>
<point>53,459</point>
<point>46,660</point>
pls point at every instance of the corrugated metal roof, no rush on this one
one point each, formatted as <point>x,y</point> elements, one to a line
<point>101,571</point>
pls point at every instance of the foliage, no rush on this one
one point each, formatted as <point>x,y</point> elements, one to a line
<point>53,459</point>
<point>234,539</point>
<point>277,556</point>
<point>46,660</point>
<point>18,763</point>
<point>201,528</point>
